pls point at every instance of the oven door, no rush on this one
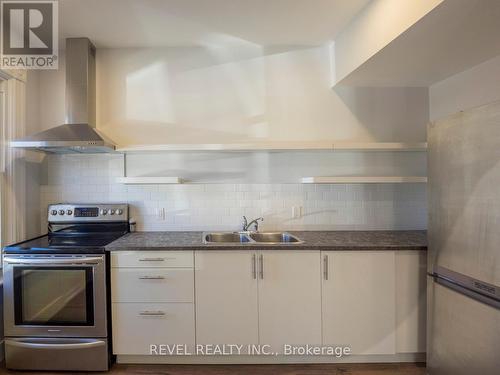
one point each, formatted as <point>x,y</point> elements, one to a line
<point>55,296</point>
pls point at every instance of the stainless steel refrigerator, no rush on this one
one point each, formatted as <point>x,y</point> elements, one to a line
<point>463,324</point>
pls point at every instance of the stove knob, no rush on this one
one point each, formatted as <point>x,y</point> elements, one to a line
<point>104,211</point>
<point>69,212</point>
<point>53,212</point>
<point>111,212</point>
<point>61,212</point>
<point>119,211</point>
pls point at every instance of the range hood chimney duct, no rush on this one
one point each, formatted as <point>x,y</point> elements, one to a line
<point>80,82</point>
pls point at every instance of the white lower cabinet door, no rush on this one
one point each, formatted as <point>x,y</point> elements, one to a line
<point>226,297</point>
<point>411,301</point>
<point>289,298</point>
<point>140,328</point>
<point>359,301</point>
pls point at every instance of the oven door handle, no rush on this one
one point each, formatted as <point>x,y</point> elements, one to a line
<point>52,261</point>
<point>33,345</point>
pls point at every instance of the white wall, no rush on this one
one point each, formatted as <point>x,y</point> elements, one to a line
<point>190,95</point>
<point>51,95</point>
<point>213,95</point>
<point>476,86</point>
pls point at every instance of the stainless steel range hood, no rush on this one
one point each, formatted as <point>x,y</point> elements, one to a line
<point>79,134</point>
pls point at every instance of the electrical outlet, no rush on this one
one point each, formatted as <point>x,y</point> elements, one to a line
<point>161,213</point>
<point>296,212</point>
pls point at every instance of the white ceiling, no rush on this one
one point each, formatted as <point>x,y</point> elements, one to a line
<point>453,37</point>
<point>154,23</point>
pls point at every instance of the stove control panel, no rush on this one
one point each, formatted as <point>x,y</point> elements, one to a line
<point>86,211</point>
<point>65,212</point>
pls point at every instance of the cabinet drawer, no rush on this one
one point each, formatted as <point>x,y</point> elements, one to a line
<point>137,326</point>
<point>152,285</point>
<point>150,259</point>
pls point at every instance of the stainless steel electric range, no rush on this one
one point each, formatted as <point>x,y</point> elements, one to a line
<point>55,294</point>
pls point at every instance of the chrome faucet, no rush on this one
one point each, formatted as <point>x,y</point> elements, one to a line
<point>254,222</point>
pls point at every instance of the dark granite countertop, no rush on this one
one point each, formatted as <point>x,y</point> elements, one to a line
<point>313,240</point>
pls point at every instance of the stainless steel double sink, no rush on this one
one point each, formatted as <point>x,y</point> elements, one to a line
<point>250,238</point>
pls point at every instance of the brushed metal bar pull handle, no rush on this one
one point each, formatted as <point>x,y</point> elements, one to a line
<point>69,264</point>
<point>50,261</point>
<point>325,267</point>
<point>254,266</point>
<point>261,261</point>
<point>151,278</point>
<point>36,345</point>
<point>152,313</point>
<point>151,259</point>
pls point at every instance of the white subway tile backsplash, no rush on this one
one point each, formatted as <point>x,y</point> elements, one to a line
<point>91,178</point>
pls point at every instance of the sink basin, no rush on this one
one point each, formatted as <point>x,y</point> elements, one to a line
<point>274,237</point>
<point>250,238</point>
<point>226,237</point>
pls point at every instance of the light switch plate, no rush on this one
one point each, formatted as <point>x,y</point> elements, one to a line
<point>296,212</point>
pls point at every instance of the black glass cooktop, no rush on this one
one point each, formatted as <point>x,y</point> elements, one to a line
<point>70,239</point>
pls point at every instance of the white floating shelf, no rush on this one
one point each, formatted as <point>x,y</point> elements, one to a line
<point>281,146</point>
<point>261,146</point>
<point>149,180</point>
<point>363,180</point>
<point>380,146</point>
